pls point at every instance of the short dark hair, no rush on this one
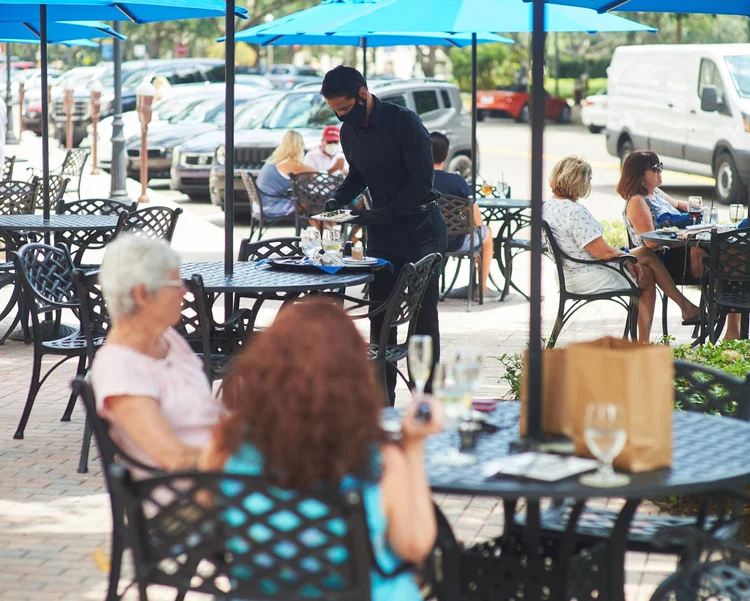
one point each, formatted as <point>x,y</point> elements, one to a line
<point>440,146</point>
<point>634,167</point>
<point>342,82</point>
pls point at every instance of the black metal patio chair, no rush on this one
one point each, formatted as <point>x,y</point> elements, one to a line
<point>259,221</point>
<point>509,246</point>
<point>310,192</point>
<point>697,388</point>
<point>46,278</point>
<point>81,242</point>
<point>628,297</point>
<point>400,308</point>
<point>110,454</point>
<point>95,324</point>
<point>72,166</point>
<point>214,342</point>
<point>728,289</point>
<point>18,198</point>
<point>187,542</point>
<point>57,186</point>
<point>8,165</point>
<point>458,214</point>
<point>157,223</point>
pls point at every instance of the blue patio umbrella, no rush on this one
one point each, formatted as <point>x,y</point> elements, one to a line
<point>718,7</point>
<point>72,32</point>
<point>136,11</point>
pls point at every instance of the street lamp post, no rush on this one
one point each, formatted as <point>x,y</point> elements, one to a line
<point>144,97</point>
<point>117,170</point>
<point>96,89</point>
<point>21,95</point>
<point>68,108</point>
<point>10,135</point>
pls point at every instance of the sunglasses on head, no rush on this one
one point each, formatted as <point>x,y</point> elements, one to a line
<point>657,168</point>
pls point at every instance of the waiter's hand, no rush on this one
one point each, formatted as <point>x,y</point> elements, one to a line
<point>332,204</point>
<point>364,217</point>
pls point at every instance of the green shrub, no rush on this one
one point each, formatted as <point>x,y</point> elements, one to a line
<point>513,367</point>
<point>615,233</point>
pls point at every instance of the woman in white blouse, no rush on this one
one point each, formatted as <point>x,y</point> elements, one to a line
<point>579,235</point>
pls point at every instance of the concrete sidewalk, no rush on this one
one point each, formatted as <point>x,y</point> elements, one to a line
<point>55,523</point>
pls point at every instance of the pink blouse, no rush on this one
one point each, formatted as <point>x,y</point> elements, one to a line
<point>177,383</point>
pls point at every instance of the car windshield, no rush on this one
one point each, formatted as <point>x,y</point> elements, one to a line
<point>195,112</point>
<point>167,108</point>
<point>216,115</point>
<point>74,77</point>
<point>133,78</point>
<point>254,113</point>
<point>739,69</point>
<point>301,110</point>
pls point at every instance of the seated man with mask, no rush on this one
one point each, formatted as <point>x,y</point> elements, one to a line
<point>328,157</point>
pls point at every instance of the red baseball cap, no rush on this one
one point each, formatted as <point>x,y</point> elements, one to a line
<point>331,134</point>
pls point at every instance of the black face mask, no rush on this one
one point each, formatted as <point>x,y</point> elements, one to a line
<point>357,115</point>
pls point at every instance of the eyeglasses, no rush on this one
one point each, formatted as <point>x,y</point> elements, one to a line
<point>657,168</point>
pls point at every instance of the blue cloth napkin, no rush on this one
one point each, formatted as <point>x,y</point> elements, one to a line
<point>332,269</point>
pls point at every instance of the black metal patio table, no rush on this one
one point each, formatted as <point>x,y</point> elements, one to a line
<point>667,239</point>
<point>57,223</point>
<point>709,456</point>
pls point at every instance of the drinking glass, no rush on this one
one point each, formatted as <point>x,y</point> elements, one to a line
<point>736,213</point>
<point>487,190</point>
<point>695,207</point>
<point>331,240</point>
<point>310,242</point>
<point>450,388</point>
<point>420,362</point>
<point>605,434</point>
<point>469,364</point>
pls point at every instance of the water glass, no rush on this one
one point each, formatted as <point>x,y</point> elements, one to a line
<point>310,242</point>
<point>695,207</point>
<point>605,434</point>
<point>332,240</point>
<point>420,362</point>
<point>736,213</point>
<point>449,387</point>
<point>469,364</point>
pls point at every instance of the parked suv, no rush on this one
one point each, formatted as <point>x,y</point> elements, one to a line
<point>285,77</point>
<point>175,71</point>
<point>437,103</point>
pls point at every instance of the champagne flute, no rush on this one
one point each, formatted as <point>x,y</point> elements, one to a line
<point>449,387</point>
<point>736,213</point>
<point>469,364</point>
<point>605,434</point>
<point>695,207</point>
<point>419,359</point>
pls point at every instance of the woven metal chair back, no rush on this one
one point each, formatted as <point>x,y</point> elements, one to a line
<point>195,320</point>
<point>283,545</point>
<point>458,214</point>
<point>94,206</point>
<point>405,301</point>
<point>46,275</point>
<point>157,223</point>
<point>95,320</point>
<point>311,191</point>
<point>256,206</point>
<point>708,390</point>
<point>557,253</point>
<point>273,248</point>
<point>729,260</point>
<point>57,186</point>
<point>9,164</point>
<point>81,241</point>
<point>74,162</point>
<point>18,198</point>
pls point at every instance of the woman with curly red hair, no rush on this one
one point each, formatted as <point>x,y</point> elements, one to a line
<point>303,408</point>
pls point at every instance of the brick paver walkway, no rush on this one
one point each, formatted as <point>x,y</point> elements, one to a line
<point>55,523</point>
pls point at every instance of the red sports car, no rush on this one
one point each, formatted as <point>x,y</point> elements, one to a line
<point>517,104</point>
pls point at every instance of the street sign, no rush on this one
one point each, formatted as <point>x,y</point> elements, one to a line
<point>107,52</point>
<point>180,50</point>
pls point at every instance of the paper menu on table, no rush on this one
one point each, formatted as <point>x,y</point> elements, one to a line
<point>538,466</point>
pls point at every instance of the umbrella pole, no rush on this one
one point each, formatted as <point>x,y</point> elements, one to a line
<point>363,43</point>
<point>117,189</point>
<point>537,176</point>
<point>473,128</point>
<point>45,115</point>
<point>10,135</point>
<point>229,151</point>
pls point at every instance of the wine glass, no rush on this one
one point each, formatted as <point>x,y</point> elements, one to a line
<point>605,434</point>
<point>695,207</point>
<point>420,362</point>
<point>450,388</point>
<point>736,213</point>
<point>487,190</point>
<point>331,240</point>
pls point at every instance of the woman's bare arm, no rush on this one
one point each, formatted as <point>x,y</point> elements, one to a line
<point>680,205</point>
<point>640,216</point>
<point>142,420</point>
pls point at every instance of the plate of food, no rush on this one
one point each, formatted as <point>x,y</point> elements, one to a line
<point>670,230</point>
<point>337,216</point>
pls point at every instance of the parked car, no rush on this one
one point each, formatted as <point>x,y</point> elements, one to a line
<point>191,161</point>
<point>285,77</point>
<point>32,96</point>
<point>594,112</point>
<point>516,103</point>
<point>205,114</point>
<point>688,103</point>
<point>437,103</point>
<point>177,72</point>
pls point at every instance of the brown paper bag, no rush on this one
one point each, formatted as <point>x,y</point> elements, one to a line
<point>556,417</point>
<point>636,376</point>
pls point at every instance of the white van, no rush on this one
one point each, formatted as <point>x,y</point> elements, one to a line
<point>690,104</point>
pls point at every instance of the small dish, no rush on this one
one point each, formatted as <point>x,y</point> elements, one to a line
<point>364,261</point>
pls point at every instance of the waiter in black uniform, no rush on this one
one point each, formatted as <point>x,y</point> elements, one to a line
<point>390,152</point>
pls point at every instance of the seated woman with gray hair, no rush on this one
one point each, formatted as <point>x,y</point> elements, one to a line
<point>148,383</point>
